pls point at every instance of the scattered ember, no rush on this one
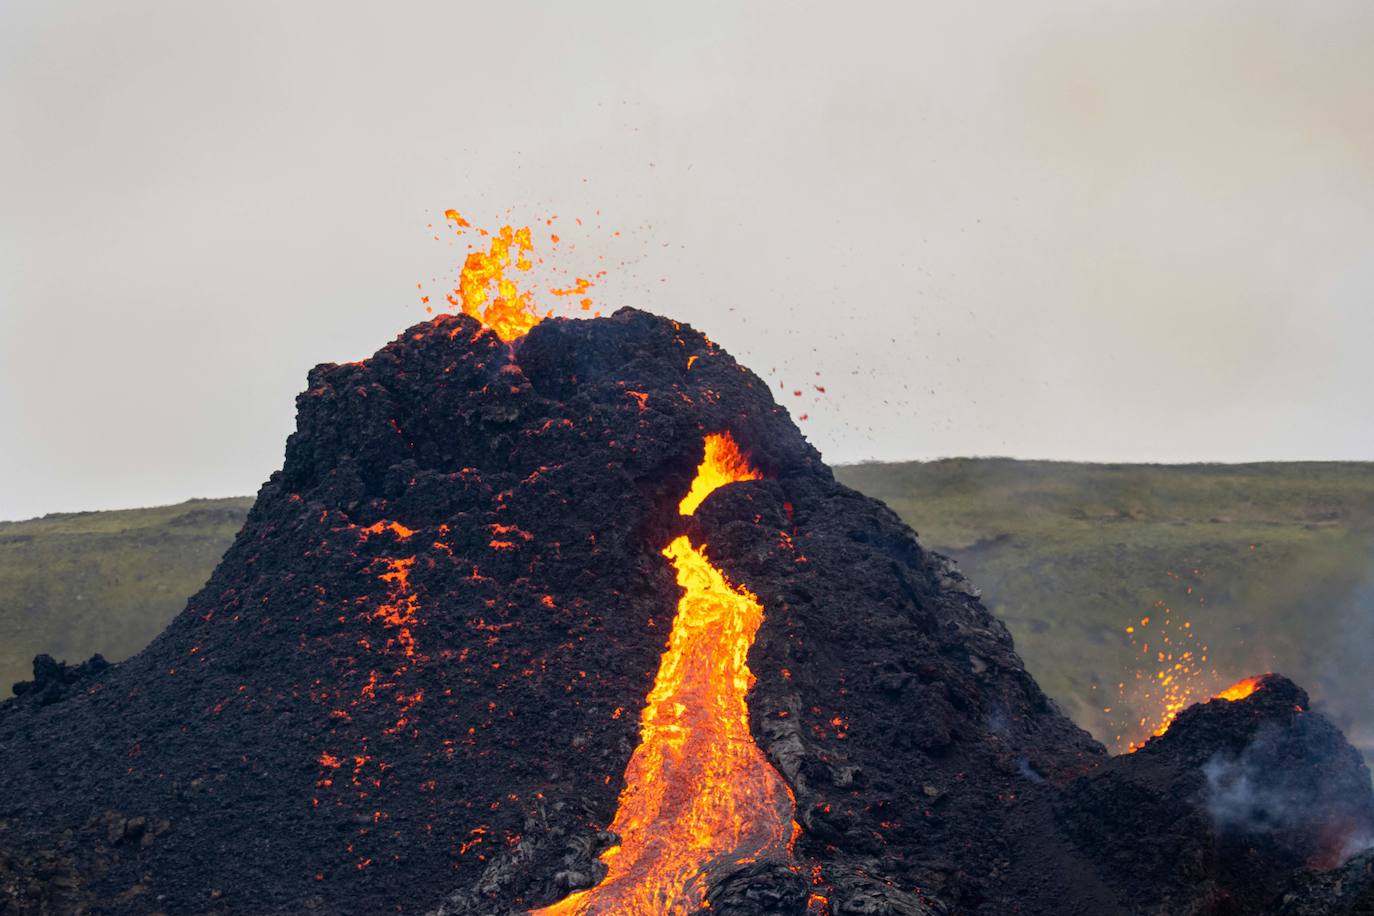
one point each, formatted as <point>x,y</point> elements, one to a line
<point>1175,672</point>
<point>396,654</point>
<point>697,789</point>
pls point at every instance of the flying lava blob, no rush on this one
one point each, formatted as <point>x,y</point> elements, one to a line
<point>698,791</point>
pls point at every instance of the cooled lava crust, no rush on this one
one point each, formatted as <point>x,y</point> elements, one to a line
<point>413,683</point>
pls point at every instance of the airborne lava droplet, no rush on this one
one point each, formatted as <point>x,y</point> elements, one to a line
<point>1237,691</point>
<point>698,791</point>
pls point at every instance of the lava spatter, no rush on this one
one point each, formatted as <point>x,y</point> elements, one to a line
<point>487,288</point>
<point>1240,690</point>
<point>698,791</point>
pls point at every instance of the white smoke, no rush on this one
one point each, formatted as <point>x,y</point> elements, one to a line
<point>1344,681</point>
<point>1242,798</point>
<point>1261,791</point>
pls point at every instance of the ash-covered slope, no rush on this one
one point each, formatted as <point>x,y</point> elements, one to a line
<point>414,682</point>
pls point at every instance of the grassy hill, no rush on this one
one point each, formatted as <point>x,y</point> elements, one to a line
<point>1271,566</point>
<point>85,582</point>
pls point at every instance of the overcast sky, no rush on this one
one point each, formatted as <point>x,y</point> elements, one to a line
<point>1076,230</point>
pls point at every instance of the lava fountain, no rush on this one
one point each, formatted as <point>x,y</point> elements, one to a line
<point>487,287</point>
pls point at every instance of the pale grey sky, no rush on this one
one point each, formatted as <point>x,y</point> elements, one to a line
<point>1081,230</point>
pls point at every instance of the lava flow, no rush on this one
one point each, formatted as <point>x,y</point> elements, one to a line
<point>698,791</point>
<point>445,631</point>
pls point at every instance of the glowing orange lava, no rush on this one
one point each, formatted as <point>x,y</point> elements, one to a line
<point>1237,691</point>
<point>487,288</point>
<point>1175,671</point>
<point>698,791</point>
<point>722,464</point>
<point>401,612</point>
<point>1240,689</point>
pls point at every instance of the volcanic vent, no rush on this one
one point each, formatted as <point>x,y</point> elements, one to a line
<point>579,623</point>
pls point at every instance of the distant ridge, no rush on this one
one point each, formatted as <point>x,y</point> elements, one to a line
<point>76,583</point>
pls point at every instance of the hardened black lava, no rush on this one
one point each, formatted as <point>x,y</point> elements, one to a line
<point>413,683</point>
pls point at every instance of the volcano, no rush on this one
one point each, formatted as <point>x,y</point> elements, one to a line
<point>578,622</point>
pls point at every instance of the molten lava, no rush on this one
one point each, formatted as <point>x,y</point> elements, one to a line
<point>1241,689</point>
<point>699,793</point>
<point>487,289</point>
<point>1175,672</point>
<point>509,312</point>
<point>722,464</point>
<point>1237,691</point>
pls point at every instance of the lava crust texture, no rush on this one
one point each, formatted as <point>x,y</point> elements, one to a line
<point>413,683</point>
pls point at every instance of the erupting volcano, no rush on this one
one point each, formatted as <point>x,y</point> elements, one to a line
<point>565,616</point>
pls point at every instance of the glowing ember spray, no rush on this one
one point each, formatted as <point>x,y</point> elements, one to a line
<point>698,791</point>
<point>487,288</point>
<point>1175,672</point>
<point>1237,691</point>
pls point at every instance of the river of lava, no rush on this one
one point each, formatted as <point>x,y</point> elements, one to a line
<point>699,795</point>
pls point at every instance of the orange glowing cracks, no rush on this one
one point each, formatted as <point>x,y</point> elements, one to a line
<point>699,795</point>
<point>722,464</point>
<point>401,610</point>
<point>396,528</point>
<point>1240,689</point>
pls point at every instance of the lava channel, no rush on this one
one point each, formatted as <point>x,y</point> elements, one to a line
<point>699,795</point>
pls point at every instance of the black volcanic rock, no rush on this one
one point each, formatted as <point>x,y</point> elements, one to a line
<point>53,681</point>
<point>413,683</point>
<point>1214,815</point>
<point>1344,891</point>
